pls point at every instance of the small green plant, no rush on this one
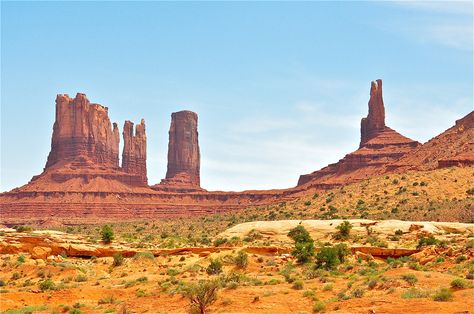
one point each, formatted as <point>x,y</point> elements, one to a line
<point>118,259</point>
<point>443,295</point>
<point>20,259</point>
<point>107,234</point>
<point>215,267</point>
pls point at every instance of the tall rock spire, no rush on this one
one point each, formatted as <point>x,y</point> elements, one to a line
<point>134,150</point>
<point>184,159</point>
<point>374,123</point>
<point>83,131</point>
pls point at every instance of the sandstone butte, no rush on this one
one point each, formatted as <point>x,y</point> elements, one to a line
<point>83,181</point>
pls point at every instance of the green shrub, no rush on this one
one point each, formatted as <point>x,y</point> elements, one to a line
<point>460,259</point>
<point>319,306</point>
<point>300,234</point>
<point>358,293</point>
<point>413,293</point>
<point>304,244</point>
<point>215,267</point>
<point>298,285</point>
<point>201,295</point>
<point>16,276</point>
<point>410,278</point>
<point>118,259</point>
<point>344,230</point>
<point>459,283</point>
<point>329,257</point>
<point>81,278</point>
<point>47,284</point>
<point>219,241</point>
<point>107,234</point>
<point>398,232</point>
<point>328,287</point>
<point>241,260</point>
<point>427,241</point>
<point>443,295</point>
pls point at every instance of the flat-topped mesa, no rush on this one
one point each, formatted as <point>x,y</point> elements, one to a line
<point>374,123</point>
<point>183,172</point>
<point>134,151</point>
<point>82,132</point>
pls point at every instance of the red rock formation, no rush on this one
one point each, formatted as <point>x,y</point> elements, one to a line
<point>379,146</point>
<point>374,123</point>
<point>134,150</point>
<point>183,171</point>
<point>83,131</point>
<point>453,147</point>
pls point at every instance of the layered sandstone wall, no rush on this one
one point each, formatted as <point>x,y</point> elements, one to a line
<point>134,150</point>
<point>82,129</point>
<point>184,160</point>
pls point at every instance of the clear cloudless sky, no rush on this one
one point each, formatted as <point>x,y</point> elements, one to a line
<point>279,87</point>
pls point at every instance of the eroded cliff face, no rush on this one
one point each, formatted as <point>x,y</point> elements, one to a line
<point>379,147</point>
<point>134,150</point>
<point>83,131</point>
<point>85,151</point>
<point>184,161</point>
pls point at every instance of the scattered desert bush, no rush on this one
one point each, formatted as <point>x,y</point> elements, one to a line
<point>47,284</point>
<point>443,295</point>
<point>107,234</point>
<point>201,295</point>
<point>331,256</point>
<point>304,244</point>
<point>427,241</point>
<point>118,259</point>
<point>344,230</point>
<point>241,260</point>
<point>410,278</point>
<point>413,293</point>
<point>298,285</point>
<point>459,283</point>
<point>319,306</point>
<point>358,293</point>
<point>215,267</point>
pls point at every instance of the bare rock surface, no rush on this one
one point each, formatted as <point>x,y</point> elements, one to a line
<point>322,230</point>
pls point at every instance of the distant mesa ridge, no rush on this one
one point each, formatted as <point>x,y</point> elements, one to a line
<point>82,177</point>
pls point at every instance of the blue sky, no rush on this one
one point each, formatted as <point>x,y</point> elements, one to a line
<point>279,87</point>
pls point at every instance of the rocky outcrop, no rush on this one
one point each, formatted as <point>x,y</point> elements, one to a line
<point>134,151</point>
<point>85,151</point>
<point>374,123</point>
<point>83,131</point>
<point>184,161</point>
<point>379,147</point>
<point>323,230</point>
<point>453,147</point>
